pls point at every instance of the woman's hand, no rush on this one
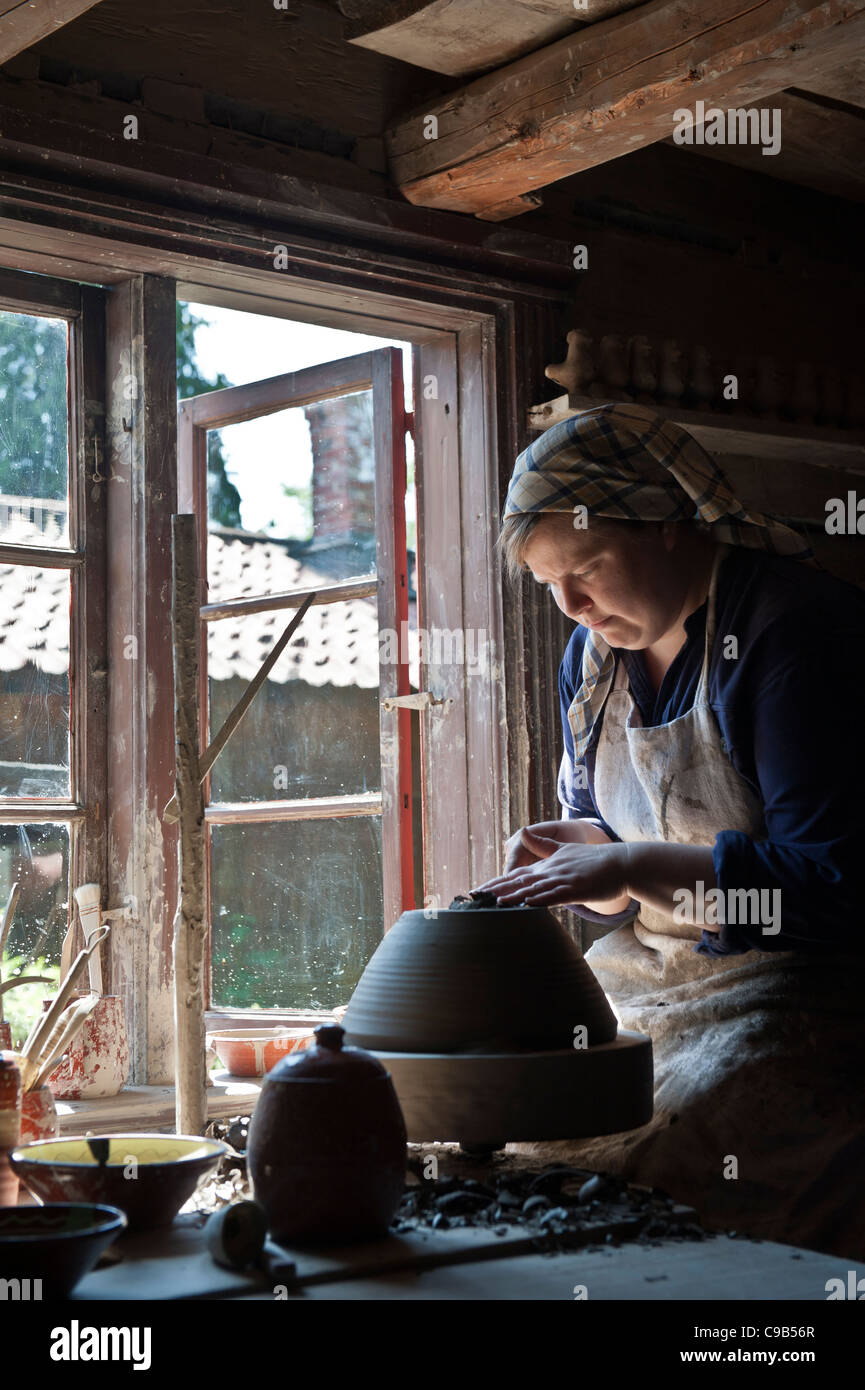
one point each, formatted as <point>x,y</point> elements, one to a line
<point>548,870</point>
<point>532,842</point>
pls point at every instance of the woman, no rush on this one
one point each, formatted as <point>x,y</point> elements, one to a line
<point>711,791</point>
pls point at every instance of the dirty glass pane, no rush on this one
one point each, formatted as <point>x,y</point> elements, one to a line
<point>313,728</point>
<point>34,464</point>
<point>291,499</point>
<point>296,911</point>
<point>37,858</point>
<point>34,682</point>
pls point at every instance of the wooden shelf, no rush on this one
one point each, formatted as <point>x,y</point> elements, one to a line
<point>151,1108</point>
<point>735,434</point>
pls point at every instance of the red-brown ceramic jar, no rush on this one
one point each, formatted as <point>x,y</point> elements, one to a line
<point>326,1149</point>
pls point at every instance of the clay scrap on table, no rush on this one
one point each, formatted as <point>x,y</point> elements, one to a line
<point>463,903</point>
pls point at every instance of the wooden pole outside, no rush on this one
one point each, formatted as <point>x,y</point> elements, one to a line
<point>189,920</point>
<point>208,758</point>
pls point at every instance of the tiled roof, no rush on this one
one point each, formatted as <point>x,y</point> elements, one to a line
<point>335,645</point>
<point>34,619</point>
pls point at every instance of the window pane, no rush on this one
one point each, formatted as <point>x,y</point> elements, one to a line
<point>313,728</point>
<point>34,682</point>
<point>296,911</point>
<point>37,858</point>
<point>34,465</point>
<point>291,499</point>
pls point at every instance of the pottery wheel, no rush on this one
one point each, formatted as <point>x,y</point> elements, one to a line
<point>489,1099</point>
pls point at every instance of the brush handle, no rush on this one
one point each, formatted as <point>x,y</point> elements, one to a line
<point>67,1027</point>
<point>41,1032</point>
<point>91,922</point>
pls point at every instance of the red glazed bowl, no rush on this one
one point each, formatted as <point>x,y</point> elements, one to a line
<point>254,1051</point>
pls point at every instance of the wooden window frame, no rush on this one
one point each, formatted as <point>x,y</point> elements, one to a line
<point>464,331</point>
<point>380,372</point>
<point>84,810</point>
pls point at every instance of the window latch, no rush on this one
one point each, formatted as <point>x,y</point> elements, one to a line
<point>422,700</point>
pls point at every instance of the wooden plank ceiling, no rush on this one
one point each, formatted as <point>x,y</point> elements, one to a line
<point>23,23</point>
<point>555,106</point>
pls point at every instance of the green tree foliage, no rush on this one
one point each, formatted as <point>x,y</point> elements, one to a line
<point>223,497</point>
<point>33,423</point>
<point>33,409</point>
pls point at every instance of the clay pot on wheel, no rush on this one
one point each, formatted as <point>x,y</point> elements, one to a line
<point>497,979</point>
<point>326,1148</point>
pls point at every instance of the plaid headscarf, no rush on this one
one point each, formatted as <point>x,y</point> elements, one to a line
<point>598,459</point>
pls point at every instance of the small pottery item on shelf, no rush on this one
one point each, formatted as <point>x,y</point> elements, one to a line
<point>326,1150</point>
<point>477,978</point>
<point>5,1035</point>
<point>254,1051</point>
<point>97,1063</point>
<point>10,1119</point>
<point>39,1118</point>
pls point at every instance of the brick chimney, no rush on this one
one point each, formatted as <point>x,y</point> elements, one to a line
<point>343,467</point>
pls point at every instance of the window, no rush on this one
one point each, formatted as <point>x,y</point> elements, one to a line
<point>313,808</point>
<point>52,667</point>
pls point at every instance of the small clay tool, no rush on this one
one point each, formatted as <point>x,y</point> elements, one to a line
<point>100,1149</point>
<point>237,1238</point>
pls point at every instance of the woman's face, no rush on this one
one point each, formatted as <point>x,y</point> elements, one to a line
<point>627,583</point>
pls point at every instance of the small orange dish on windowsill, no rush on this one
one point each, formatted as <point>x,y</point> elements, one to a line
<point>254,1051</point>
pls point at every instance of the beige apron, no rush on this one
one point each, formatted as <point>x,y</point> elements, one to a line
<point>759,1058</point>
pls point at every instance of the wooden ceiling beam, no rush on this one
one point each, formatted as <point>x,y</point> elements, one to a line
<point>465,37</point>
<point>608,91</point>
<point>822,146</point>
<point>844,82</point>
<point>23,23</point>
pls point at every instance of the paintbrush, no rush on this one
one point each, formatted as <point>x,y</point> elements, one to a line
<point>88,898</point>
<point>39,1033</point>
<point>67,1026</point>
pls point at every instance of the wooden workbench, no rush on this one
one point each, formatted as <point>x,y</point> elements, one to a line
<point>470,1264</point>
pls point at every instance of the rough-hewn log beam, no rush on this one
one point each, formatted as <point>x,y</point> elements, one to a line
<point>465,37</point>
<point>608,91</point>
<point>22,23</point>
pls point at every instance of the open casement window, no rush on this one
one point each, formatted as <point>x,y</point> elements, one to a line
<point>309,808</point>
<point>52,595</point>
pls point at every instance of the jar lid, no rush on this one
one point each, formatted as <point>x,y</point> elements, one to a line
<point>328,1060</point>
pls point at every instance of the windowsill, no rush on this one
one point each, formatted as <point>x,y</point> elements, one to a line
<point>151,1108</point>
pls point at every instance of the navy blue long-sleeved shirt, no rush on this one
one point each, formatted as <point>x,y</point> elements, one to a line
<point>789,709</point>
